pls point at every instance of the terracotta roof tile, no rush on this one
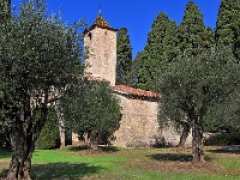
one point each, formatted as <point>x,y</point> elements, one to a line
<point>101,23</point>
<point>123,89</point>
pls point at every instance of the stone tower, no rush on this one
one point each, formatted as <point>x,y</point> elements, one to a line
<point>100,42</point>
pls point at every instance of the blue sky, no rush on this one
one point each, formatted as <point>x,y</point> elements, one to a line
<point>136,15</point>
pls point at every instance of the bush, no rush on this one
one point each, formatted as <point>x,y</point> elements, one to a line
<point>4,140</point>
<point>92,110</point>
<point>223,139</point>
<point>4,136</point>
<point>49,137</point>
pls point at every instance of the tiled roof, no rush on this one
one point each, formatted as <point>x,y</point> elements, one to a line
<point>102,23</point>
<point>127,90</point>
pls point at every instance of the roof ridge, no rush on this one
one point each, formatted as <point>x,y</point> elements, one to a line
<point>128,90</point>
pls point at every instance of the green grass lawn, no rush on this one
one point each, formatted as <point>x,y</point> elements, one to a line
<point>139,164</point>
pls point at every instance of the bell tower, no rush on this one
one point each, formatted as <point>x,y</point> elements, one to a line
<point>100,43</point>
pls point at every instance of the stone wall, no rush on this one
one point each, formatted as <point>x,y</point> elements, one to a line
<point>139,125</point>
<point>75,139</point>
<point>101,45</point>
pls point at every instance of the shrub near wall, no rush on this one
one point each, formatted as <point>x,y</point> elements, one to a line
<point>4,140</point>
<point>223,139</point>
<point>49,138</point>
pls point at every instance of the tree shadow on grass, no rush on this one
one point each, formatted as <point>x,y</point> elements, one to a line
<point>171,157</point>
<point>64,171</point>
<point>78,148</point>
<point>108,148</point>
<point>5,153</point>
<point>60,171</point>
<point>227,150</point>
<point>100,148</point>
<point>176,157</point>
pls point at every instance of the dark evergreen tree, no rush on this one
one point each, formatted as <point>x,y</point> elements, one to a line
<point>236,47</point>
<point>159,51</point>
<point>5,10</point>
<point>124,57</point>
<point>136,66</point>
<point>193,37</point>
<point>227,38</point>
<point>227,26</point>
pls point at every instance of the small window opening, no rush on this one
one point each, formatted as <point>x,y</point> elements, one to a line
<point>90,36</point>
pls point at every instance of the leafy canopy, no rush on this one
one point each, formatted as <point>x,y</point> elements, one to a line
<point>37,54</point>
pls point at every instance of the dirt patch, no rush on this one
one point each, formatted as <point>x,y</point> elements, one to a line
<point>171,164</point>
<point>102,150</point>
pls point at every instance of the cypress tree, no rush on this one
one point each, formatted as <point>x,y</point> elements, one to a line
<point>158,51</point>
<point>227,31</point>
<point>193,36</point>
<point>228,17</point>
<point>124,57</point>
<point>236,47</point>
<point>227,37</point>
<point>136,66</point>
<point>5,10</point>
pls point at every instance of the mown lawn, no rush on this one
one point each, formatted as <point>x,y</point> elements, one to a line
<point>131,164</point>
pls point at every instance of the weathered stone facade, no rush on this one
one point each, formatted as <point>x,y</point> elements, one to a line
<point>101,46</point>
<point>139,125</point>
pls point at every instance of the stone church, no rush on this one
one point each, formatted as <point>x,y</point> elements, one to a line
<point>139,124</point>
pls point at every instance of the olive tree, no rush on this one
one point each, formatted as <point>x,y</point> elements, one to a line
<point>192,86</point>
<point>37,55</point>
<point>92,111</point>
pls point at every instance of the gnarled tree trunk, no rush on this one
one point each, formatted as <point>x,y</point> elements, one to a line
<point>20,169</point>
<point>24,134</point>
<point>86,137</point>
<point>184,135</point>
<point>90,140</point>
<point>20,165</point>
<point>197,141</point>
<point>62,129</point>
